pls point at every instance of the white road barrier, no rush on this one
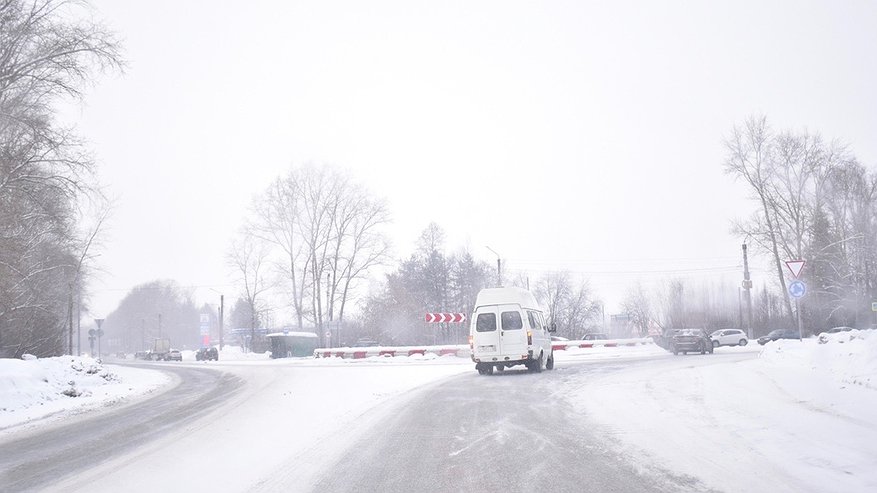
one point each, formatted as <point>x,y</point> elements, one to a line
<point>459,350</point>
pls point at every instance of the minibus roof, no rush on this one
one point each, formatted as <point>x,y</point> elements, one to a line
<point>505,296</point>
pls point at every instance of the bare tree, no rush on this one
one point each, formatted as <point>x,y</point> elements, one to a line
<point>276,221</point>
<point>248,257</point>
<point>571,308</point>
<point>636,303</point>
<point>671,305</point>
<point>359,244</point>
<point>807,191</point>
<point>551,290</point>
<point>326,230</point>
<point>750,157</point>
<point>46,53</point>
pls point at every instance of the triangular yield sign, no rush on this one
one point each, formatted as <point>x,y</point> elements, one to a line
<point>795,267</point>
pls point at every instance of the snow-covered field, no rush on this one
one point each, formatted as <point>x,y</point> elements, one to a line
<point>791,416</point>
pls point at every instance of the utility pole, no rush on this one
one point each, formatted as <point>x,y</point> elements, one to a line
<point>498,267</point>
<point>740,307</point>
<point>70,319</point>
<point>329,309</point>
<point>747,285</point>
<point>79,327</point>
<point>221,313</point>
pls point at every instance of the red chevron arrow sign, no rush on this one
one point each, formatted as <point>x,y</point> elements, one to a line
<point>445,317</point>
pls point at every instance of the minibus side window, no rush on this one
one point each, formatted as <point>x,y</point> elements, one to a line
<point>486,322</point>
<point>535,324</point>
<point>512,320</point>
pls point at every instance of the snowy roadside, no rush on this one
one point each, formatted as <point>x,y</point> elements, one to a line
<point>800,417</point>
<point>34,389</point>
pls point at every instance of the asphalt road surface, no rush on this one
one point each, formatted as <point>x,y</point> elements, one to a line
<point>39,459</point>
<point>507,432</point>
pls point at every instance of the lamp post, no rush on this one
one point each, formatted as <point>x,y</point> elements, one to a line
<point>221,315</point>
<point>498,267</point>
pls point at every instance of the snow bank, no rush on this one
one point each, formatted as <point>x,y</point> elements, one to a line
<point>235,353</point>
<point>845,357</point>
<point>32,389</point>
<point>797,417</point>
<point>607,352</point>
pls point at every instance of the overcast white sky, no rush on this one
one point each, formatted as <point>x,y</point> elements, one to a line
<point>579,135</point>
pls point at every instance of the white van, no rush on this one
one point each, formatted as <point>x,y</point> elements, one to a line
<point>508,328</point>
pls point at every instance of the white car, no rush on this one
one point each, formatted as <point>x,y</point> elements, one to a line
<point>729,337</point>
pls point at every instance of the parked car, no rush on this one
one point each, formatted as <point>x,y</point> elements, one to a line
<point>366,342</point>
<point>729,337</point>
<point>207,353</point>
<point>596,336</point>
<point>778,334</point>
<point>174,355</point>
<point>835,330</point>
<point>691,340</point>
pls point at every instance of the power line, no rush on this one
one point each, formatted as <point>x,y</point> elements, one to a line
<point>706,270</point>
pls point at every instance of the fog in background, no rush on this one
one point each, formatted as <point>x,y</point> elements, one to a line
<point>564,135</point>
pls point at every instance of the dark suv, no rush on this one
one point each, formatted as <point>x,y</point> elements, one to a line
<point>207,353</point>
<point>691,340</point>
<point>778,334</point>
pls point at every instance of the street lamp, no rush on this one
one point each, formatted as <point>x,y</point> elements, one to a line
<point>221,314</point>
<point>498,267</point>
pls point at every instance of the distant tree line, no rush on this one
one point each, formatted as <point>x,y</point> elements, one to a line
<point>45,172</point>
<point>678,303</point>
<point>153,310</point>
<point>431,281</point>
<point>428,281</point>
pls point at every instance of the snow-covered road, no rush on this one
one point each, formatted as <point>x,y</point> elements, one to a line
<point>288,416</point>
<point>513,431</point>
<point>791,416</point>
<point>38,456</point>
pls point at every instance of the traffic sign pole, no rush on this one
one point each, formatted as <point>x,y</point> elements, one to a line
<point>874,309</point>
<point>797,289</point>
<point>800,323</point>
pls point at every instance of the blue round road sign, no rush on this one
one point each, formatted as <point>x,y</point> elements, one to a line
<point>797,289</point>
